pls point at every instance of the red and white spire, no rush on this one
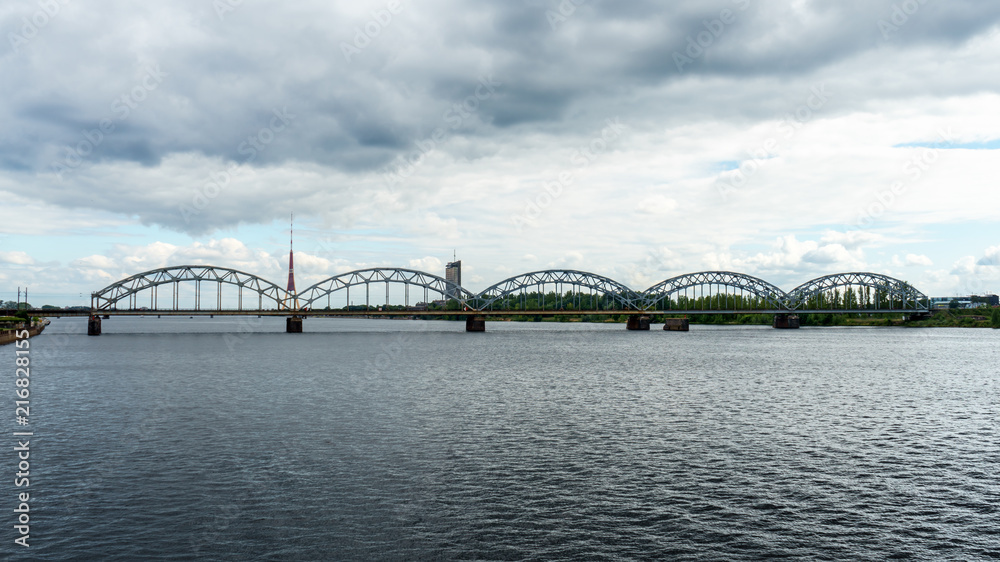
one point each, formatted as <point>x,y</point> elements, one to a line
<point>291,262</point>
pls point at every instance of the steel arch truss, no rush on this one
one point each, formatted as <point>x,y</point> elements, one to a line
<point>620,294</point>
<point>863,292</point>
<point>773,296</point>
<point>890,293</point>
<point>109,297</point>
<point>308,297</point>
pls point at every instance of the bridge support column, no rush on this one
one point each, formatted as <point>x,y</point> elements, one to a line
<point>475,324</point>
<point>637,323</point>
<point>94,325</point>
<point>677,325</point>
<point>786,321</point>
<point>293,325</point>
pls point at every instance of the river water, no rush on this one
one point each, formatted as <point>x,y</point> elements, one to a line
<point>228,439</point>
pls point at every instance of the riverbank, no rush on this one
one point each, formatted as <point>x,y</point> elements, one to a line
<point>974,318</point>
<point>971,318</point>
<point>978,318</point>
<point>10,335</point>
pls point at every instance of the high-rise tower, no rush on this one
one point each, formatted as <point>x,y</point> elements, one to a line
<point>291,263</point>
<point>453,275</point>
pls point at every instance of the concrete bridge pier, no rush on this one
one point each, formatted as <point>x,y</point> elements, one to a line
<point>677,325</point>
<point>637,323</point>
<point>94,325</point>
<point>475,324</point>
<point>786,321</point>
<point>293,325</point>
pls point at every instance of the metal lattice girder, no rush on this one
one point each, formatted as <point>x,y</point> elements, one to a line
<point>609,287</point>
<point>108,297</point>
<point>381,275</point>
<point>892,290</point>
<point>895,294</point>
<point>773,295</point>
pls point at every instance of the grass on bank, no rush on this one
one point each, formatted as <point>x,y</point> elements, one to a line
<point>965,318</point>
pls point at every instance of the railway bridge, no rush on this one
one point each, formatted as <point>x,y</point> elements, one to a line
<point>207,290</point>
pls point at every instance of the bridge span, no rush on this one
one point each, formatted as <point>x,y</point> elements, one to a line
<point>551,292</point>
<point>205,290</point>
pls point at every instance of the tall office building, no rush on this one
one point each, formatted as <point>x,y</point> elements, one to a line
<point>453,274</point>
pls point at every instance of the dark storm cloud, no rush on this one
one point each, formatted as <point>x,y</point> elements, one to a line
<point>785,38</point>
<point>563,67</point>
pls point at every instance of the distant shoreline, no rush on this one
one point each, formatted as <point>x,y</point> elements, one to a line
<point>10,336</point>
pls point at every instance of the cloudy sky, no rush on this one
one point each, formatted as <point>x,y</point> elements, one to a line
<point>638,140</point>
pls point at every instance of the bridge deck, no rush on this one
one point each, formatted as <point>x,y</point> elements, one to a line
<point>369,313</point>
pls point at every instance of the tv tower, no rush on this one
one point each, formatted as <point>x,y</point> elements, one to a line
<point>291,263</point>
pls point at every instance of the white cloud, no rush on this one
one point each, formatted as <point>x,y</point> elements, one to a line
<point>964,266</point>
<point>429,264</point>
<point>852,239</point>
<point>657,205</point>
<point>969,277</point>
<point>16,258</point>
<point>94,262</point>
<point>126,260</point>
<point>911,260</point>
<point>829,254</point>
<point>991,257</point>
<point>571,260</point>
<point>918,260</point>
<point>792,254</point>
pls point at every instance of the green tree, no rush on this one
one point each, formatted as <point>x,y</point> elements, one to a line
<point>995,320</point>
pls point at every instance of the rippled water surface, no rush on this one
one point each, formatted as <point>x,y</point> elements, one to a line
<point>405,440</point>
